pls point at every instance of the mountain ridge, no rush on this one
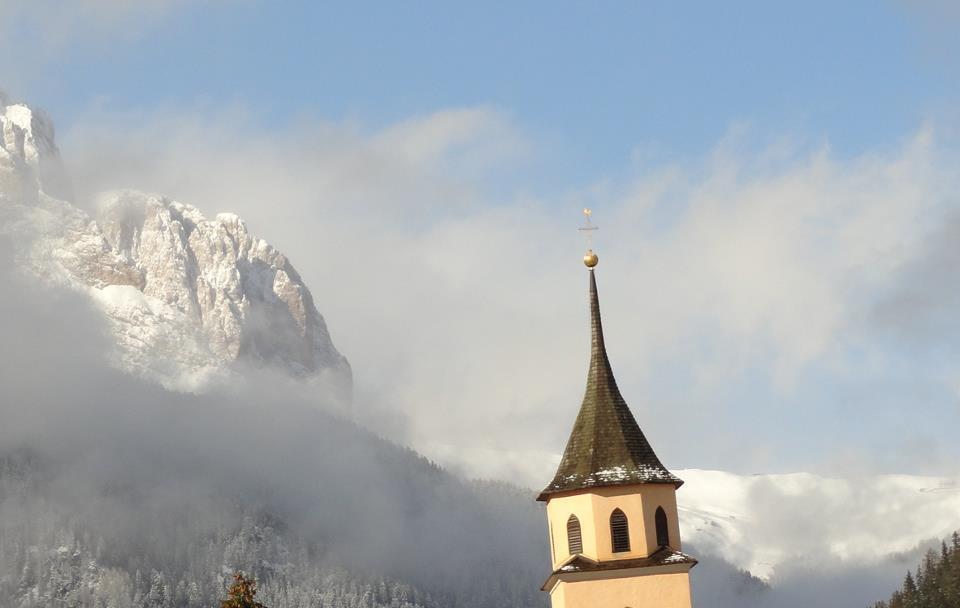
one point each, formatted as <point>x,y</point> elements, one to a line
<point>191,300</point>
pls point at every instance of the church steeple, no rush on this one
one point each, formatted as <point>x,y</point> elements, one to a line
<point>606,446</point>
<point>612,506</point>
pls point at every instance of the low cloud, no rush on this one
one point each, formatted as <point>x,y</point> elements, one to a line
<point>151,476</point>
<point>920,306</point>
<point>464,306</point>
<point>145,473</point>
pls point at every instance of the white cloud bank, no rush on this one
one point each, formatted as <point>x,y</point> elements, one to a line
<point>466,311</point>
<point>778,525</point>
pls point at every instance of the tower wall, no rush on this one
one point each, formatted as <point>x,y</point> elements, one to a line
<point>593,508</point>
<point>633,590</point>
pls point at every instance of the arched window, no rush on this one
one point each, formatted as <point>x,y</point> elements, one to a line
<point>574,540</point>
<point>663,533</point>
<point>619,531</point>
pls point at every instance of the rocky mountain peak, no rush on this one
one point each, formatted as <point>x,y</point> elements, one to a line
<point>190,299</point>
<point>29,158</point>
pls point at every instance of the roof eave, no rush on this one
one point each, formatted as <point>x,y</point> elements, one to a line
<point>546,494</point>
<point>686,563</point>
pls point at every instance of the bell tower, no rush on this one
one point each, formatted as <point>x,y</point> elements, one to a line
<point>612,507</point>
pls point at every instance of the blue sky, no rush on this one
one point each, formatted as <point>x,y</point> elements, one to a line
<point>599,86</point>
<point>773,184</point>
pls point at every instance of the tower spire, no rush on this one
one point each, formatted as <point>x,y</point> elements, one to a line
<point>612,506</point>
<point>606,446</point>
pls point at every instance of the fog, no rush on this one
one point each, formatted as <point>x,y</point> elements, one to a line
<point>772,306</point>
<point>149,473</point>
<point>469,344</point>
<point>745,285</point>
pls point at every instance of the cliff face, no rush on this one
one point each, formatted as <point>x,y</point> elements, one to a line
<point>29,159</point>
<point>190,299</point>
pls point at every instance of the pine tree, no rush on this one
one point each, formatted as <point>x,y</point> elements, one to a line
<point>241,593</point>
<point>936,582</point>
<point>910,595</point>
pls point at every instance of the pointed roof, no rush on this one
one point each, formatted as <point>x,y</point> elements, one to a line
<point>606,446</point>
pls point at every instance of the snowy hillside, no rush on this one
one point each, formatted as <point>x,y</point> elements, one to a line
<point>771,524</point>
<point>191,299</point>
<point>763,523</point>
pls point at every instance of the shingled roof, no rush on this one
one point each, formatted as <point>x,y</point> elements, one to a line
<point>606,446</point>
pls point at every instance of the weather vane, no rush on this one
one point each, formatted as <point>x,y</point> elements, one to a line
<point>589,258</point>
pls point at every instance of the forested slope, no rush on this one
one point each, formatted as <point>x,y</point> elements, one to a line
<point>934,584</point>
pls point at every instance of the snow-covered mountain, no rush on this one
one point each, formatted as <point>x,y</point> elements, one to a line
<point>768,523</point>
<point>190,299</point>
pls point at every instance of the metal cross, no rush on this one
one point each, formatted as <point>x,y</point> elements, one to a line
<point>588,228</point>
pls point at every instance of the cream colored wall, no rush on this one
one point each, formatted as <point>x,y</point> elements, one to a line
<point>593,508</point>
<point>559,511</point>
<point>659,590</point>
<point>660,495</point>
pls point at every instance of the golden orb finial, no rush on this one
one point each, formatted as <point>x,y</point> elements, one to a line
<point>590,259</point>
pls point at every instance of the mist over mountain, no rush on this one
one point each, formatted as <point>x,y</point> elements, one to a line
<point>117,491</point>
<point>190,300</point>
<point>122,476</point>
